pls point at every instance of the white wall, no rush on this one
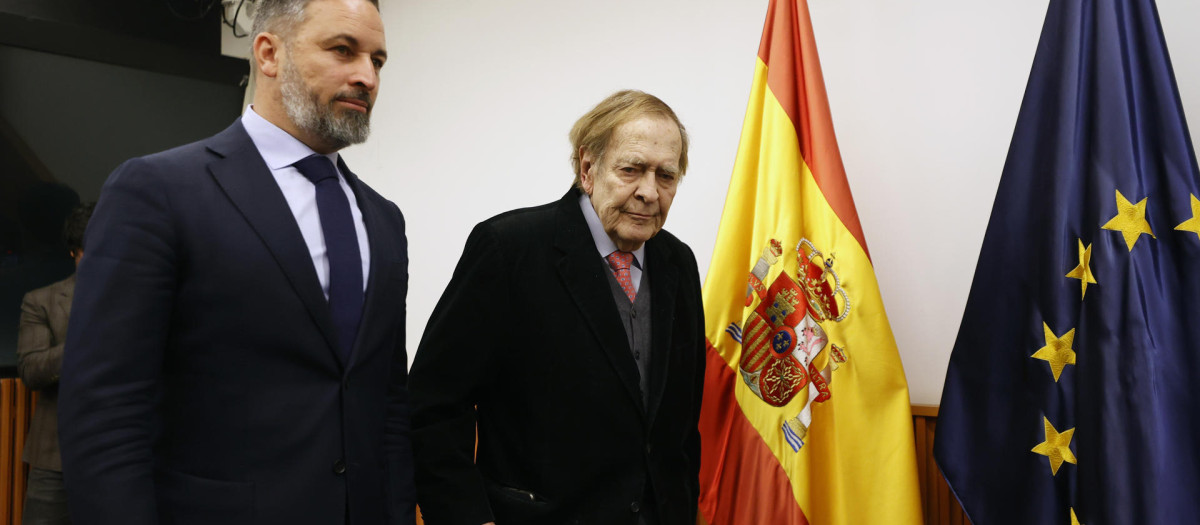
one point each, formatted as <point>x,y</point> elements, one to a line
<point>478,97</point>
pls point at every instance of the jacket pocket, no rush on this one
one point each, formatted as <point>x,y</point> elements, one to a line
<point>515,505</point>
<point>184,499</point>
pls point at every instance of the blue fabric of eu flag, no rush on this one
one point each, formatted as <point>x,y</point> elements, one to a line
<point>1072,394</point>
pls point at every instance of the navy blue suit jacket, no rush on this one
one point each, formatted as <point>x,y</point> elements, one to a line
<point>201,382</point>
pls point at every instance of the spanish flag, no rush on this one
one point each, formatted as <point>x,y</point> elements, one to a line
<point>806,416</point>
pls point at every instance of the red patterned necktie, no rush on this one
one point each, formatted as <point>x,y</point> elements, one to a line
<point>619,261</point>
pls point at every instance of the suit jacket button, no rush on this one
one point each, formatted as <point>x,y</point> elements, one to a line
<point>339,467</point>
<point>634,507</point>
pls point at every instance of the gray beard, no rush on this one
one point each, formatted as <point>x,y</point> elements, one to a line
<point>304,108</point>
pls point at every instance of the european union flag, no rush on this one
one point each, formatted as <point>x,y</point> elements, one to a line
<point>1073,393</point>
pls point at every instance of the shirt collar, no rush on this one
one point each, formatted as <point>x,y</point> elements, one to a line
<point>604,243</point>
<point>278,148</point>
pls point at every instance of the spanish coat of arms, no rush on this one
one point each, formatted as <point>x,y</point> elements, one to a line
<point>782,338</point>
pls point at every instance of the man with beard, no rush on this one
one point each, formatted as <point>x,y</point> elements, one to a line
<point>572,337</point>
<point>236,340</point>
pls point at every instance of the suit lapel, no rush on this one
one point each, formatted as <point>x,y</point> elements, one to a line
<point>582,275</point>
<point>247,181</point>
<point>664,283</point>
<point>379,271</point>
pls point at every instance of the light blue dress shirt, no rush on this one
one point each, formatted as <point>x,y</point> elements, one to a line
<point>605,244</point>
<point>280,150</point>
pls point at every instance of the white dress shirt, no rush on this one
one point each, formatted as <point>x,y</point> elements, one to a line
<point>605,244</point>
<point>280,150</point>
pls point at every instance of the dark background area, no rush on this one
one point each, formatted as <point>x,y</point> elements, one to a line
<point>85,85</point>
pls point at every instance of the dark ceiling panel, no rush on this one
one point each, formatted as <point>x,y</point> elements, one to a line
<point>141,34</point>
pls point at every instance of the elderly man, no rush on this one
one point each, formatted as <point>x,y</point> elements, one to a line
<point>236,341</point>
<point>571,336</point>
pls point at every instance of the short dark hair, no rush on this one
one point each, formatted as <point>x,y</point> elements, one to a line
<point>281,16</point>
<point>42,208</point>
<point>76,224</point>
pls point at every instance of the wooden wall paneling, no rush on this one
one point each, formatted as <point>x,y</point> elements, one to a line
<point>919,437</point>
<point>8,417</point>
<point>22,398</point>
<point>16,409</point>
<point>941,507</point>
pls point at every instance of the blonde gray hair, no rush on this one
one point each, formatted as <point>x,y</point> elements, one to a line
<point>593,131</point>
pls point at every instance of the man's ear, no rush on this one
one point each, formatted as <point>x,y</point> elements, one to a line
<point>267,50</point>
<point>588,169</point>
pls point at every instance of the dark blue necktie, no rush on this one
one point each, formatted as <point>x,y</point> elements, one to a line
<point>341,249</point>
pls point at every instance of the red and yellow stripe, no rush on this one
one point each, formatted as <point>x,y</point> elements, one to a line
<point>858,465</point>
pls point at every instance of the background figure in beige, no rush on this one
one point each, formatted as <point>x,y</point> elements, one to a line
<point>43,329</point>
